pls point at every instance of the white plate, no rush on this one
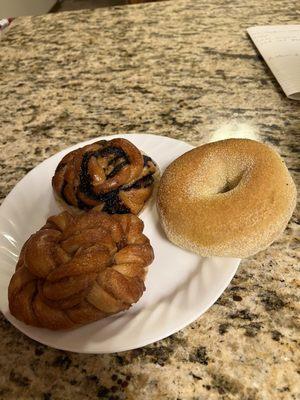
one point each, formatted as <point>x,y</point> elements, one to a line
<point>180,285</point>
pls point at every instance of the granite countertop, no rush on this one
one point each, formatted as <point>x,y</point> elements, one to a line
<point>185,69</point>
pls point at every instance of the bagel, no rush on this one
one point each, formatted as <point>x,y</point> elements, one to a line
<point>230,198</point>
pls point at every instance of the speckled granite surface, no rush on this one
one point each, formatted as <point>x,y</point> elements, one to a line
<point>185,69</point>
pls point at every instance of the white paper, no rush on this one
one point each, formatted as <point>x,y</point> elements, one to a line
<point>280,47</point>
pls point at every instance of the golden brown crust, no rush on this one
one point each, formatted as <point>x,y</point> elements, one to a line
<point>78,269</point>
<point>111,175</point>
<point>228,198</point>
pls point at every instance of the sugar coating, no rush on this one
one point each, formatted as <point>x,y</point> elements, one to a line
<point>228,198</point>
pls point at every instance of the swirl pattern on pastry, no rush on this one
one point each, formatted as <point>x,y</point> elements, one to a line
<point>79,269</point>
<point>112,175</point>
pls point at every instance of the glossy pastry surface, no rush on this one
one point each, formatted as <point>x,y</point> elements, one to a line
<point>112,175</point>
<point>78,269</point>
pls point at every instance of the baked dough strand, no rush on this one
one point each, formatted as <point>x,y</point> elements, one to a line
<point>78,269</point>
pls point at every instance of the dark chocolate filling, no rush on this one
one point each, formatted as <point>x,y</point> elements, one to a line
<point>142,183</point>
<point>85,180</point>
<point>116,151</point>
<point>80,203</point>
<point>117,169</point>
<point>146,160</point>
<point>114,205</point>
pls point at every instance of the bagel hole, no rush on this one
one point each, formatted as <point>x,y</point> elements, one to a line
<point>230,184</point>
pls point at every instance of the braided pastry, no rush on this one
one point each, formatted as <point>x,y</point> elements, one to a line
<point>79,269</point>
<point>112,175</point>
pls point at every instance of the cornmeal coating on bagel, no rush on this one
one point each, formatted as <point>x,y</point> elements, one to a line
<point>228,198</point>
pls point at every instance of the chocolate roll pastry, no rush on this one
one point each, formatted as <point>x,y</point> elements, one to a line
<point>79,269</point>
<point>112,175</point>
